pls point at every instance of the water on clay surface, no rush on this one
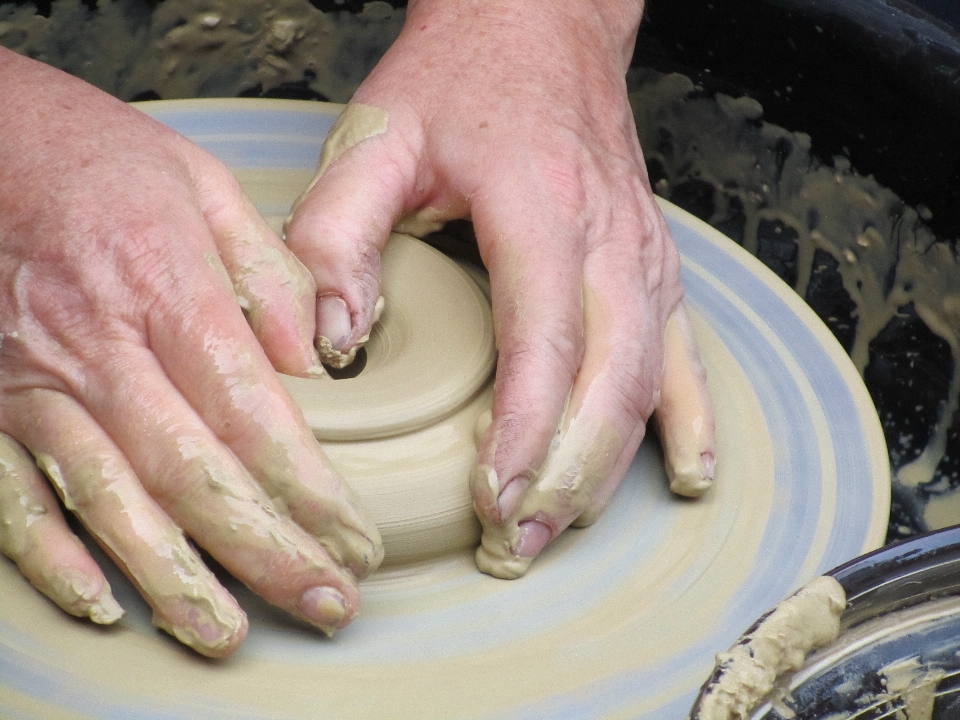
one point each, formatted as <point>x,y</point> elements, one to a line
<point>865,262</point>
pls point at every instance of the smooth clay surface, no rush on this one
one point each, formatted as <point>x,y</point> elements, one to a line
<point>618,620</point>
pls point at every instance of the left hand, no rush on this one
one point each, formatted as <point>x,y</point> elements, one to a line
<point>516,115</point>
<point>129,373</point>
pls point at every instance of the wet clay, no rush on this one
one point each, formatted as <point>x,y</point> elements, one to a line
<point>688,439</point>
<point>23,510</point>
<point>646,582</point>
<point>171,573</point>
<point>895,665</point>
<point>355,124</point>
<point>778,644</point>
<point>580,459</point>
<point>572,485</point>
<point>914,684</point>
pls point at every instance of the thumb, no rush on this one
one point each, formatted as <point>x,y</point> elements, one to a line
<point>342,222</point>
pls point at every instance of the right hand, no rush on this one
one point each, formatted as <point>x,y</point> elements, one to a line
<point>131,377</point>
<point>515,114</point>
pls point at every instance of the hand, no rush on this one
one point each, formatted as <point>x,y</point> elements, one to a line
<point>135,383</point>
<point>516,114</point>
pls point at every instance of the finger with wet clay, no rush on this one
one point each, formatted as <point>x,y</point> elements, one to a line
<point>35,535</point>
<point>685,420</point>
<point>87,281</point>
<point>268,435</point>
<point>95,481</point>
<point>604,493</point>
<point>277,293</point>
<point>203,487</point>
<point>615,391</point>
<point>579,465</point>
<point>538,320</point>
<point>218,367</point>
<point>366,183</point>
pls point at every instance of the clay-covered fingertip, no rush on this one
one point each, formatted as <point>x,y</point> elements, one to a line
<point>709,464</point>
<point>105,610</point>
<point>362,562</point>
<point>495,557</point>
<point>214,632</point>
<point>694,480</point>
<point>334,322</point>
<point>511,496</point>
<point>335,328</point>
<point>375,558</point>
<point>534,537</point>
<point>84,596</point>
<point>692,488</point>
<point>325,608</point>
<point>505,569</point>
<point>332,357</point>
<point>227,645</point>
<point>315,370</point>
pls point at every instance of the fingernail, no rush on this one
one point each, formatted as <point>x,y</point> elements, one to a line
<point>708,464</point>
<point>511,495</point>
<point>534,536</point>
<point>334,322</point>
<point>325,607</point>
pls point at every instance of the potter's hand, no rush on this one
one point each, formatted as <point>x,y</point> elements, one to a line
<point>516,114</point>
<point>131,376</point>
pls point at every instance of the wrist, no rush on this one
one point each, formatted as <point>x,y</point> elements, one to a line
<point>607,24</point>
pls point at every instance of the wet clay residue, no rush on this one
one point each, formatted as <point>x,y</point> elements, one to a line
<point>866,263</point>
<point>206,48</point>
<point>778,644</point>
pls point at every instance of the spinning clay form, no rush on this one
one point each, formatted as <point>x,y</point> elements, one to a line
<point>402,431</point>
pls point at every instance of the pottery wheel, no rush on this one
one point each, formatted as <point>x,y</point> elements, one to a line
<point>622,619</point>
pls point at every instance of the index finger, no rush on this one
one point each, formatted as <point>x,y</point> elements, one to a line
<point>210,354</point>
